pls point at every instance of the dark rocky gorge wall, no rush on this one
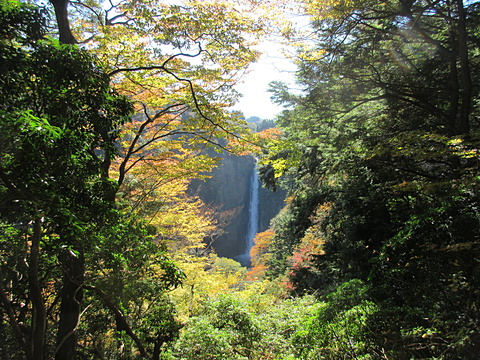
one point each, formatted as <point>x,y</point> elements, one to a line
<point>229,188</point>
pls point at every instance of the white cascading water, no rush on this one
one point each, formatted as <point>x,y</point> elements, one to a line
<point>253,210</point>
<point>252,230</point>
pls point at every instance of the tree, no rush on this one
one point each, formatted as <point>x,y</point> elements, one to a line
<point>243,324</point>
<point>88,156</point>
<point>178,62</point>
<point>385,133</point>
<point>259,255</point>
<point>175,59</point>
<point>51,185</point>
<point>60,119</point>
<point>179,107</point>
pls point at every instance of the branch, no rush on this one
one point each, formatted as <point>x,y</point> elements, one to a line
<point>163,67</point>
<point>157,67</point>
<point>138,68</point>
<point>71,332</point>
<point>110,22</point>
<point>188,81</point>
<point>80,4</point>
<point>131,149</point>
<point>13,321</point>
<point>120,320</point>
<point>197,104</point>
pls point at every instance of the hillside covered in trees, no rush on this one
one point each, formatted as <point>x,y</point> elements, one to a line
<point>110,112</point>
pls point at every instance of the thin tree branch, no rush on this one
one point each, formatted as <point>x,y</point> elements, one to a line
<point>71,332</point>
<point>120,320</point>
<point>131,149</point>
<point>13,321</point>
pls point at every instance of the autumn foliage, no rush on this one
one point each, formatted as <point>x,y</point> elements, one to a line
<point>259,255</point>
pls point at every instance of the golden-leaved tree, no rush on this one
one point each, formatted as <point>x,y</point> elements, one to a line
<point>176,62</point>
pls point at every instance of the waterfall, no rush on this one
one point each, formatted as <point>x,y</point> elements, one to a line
<point>252,230</point>
<point>252,210</point>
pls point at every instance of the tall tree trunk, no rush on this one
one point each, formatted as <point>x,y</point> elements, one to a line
<point>70,307</point>
<point>39,316</point>
<point>61,14</point>
<point>454,97</point>
<point>463,126</point>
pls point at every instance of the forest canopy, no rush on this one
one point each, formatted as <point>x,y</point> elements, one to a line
<point>107,111</point>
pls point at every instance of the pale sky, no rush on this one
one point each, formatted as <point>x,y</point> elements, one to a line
<point>273,65</point>
<point>256,100</point>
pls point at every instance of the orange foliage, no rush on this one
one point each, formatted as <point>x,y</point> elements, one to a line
<point>311,244</point>
<point>270,133</point>
<point>259,255</point>
<point>256,273</point>
<point>313,240</point>
<point>253,143</point>
<point>259,251</point>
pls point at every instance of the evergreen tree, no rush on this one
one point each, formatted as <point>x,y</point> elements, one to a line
<point>387,139</point>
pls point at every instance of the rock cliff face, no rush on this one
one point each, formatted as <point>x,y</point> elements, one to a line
<point>228,189</point>
<point>270,204</point>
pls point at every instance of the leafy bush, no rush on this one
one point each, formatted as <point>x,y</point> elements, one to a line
<point>201,340</point>
<point>225,330</point>
<point>339,329</point>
